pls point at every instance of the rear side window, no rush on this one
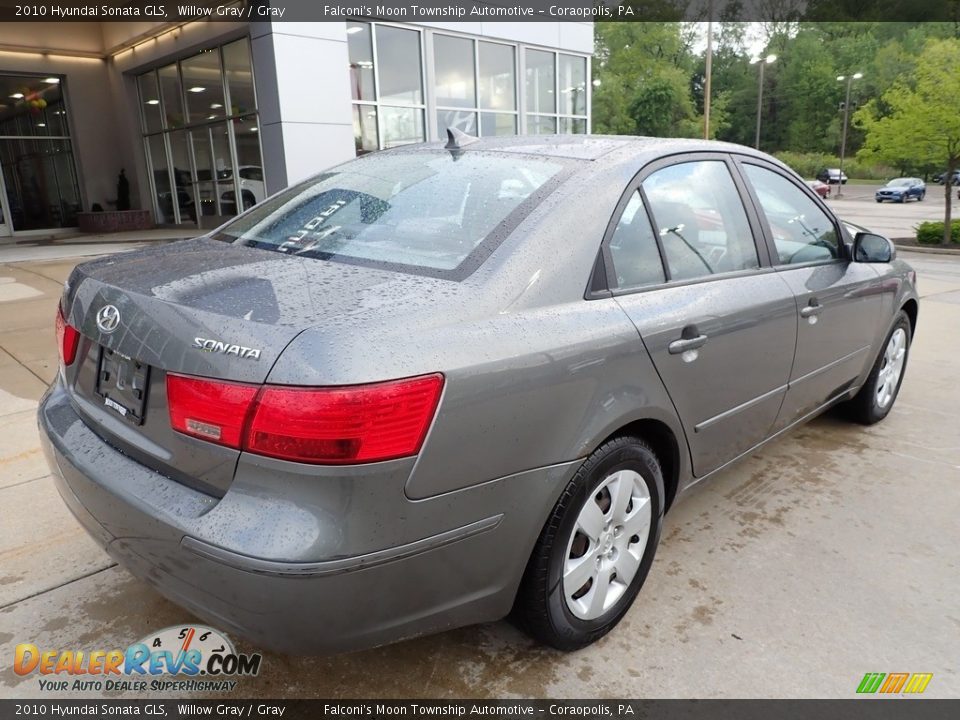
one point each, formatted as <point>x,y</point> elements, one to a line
<point>426,210</point>
<point>633,247</point>
<point>802,232</point>
<point>700,219</point>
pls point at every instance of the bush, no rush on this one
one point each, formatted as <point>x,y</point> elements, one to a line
<point>808,164</point>
<point>931,233</point>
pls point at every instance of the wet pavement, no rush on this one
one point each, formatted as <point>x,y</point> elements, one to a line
<point>829,553</point>
<point>895,220</point>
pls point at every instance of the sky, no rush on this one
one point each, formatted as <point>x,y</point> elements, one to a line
<point>755,37</point>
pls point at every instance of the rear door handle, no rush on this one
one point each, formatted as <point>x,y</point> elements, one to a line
<point>813,308</point>
<point>688,341</point>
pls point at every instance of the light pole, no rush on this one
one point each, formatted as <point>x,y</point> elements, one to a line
<point>846,119</point>
<point>708,83</point>
<point>763,61</point>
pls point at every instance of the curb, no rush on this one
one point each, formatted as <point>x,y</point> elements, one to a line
<point>927,250</point>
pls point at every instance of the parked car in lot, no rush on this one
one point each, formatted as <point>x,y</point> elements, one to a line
<point>902,189</point>
<point>820,188</point>
<point>832,176</point>
<point>442,382</point>
<point>941,178</point>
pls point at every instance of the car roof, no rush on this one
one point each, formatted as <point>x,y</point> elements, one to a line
<point>584,147</point>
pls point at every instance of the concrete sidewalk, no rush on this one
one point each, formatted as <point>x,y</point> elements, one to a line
<point>30,249</point>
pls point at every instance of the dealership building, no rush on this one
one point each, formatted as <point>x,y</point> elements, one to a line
<point>209,117</point>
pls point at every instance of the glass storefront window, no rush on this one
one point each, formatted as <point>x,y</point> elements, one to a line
<point>498,124</point>
<point>203,83</point>
<point>573,85</point>
<point>541,124</point>
<point>455,72</point>
<point>216,168</point>
<point>556,92</point>
<point>386,84</point>
<point>399,71</point>
<point>464,120</point>
<point>150,110</point>
<point>541,80</point>
<point>157,161</point>
<point>497,77</point>
<point>465,89</point>
<point>40,180</point>
<point>573,126</point>
<point>182,176</point>
<point>365,128</point>
<point>401,126</point>
<point>39,177</point>
<point>360,49</point>
<point>171,95</point>
<point>236,65</point>
<point>249,173</point>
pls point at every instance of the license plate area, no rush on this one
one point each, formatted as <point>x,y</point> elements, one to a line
<point>122,383</point>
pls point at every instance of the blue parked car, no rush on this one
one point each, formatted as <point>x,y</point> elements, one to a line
<point>902,189</point>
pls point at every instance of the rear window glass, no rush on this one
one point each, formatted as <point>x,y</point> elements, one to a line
<point>421,210</point>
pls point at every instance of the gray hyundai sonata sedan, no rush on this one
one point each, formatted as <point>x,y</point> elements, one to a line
<point>446,382</point>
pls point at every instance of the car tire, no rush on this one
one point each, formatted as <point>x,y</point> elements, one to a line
<point>547,606</point>
<point>879,200</point>
<point>876,398</point>
<point>920,199</point>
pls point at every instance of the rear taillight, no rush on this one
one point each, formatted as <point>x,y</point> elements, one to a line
<point>327,426</point>
<point>68,338</point>
<point>208,409</point>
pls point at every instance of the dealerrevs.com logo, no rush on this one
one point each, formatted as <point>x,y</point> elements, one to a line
<point>180,659</point>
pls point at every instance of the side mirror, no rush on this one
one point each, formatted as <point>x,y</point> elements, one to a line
<point>870,248</point>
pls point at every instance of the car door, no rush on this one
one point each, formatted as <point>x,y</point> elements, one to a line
<point>719,324</point>
<point>838,301</point>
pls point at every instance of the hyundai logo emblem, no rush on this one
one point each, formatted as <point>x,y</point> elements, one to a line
<point>108,318</point>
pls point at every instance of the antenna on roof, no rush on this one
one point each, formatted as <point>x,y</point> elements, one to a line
<point>458,139</point>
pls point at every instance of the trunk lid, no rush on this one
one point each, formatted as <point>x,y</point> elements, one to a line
<point>207,308</point>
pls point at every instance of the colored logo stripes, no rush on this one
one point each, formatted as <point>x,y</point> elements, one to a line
<point>893,683</point>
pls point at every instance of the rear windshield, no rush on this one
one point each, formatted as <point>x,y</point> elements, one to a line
<point>427,211</point>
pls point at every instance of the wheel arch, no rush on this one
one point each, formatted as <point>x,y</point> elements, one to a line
<point>665,445</point>
<point>911,307</point>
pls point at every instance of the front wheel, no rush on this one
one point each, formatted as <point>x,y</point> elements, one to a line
<point>876,398</point>
<point>596,548</point>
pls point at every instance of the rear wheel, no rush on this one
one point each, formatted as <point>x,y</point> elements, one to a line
<point>878,394</point>
<point>596,548</point>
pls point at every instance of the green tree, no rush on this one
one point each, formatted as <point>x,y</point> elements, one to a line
<point>923,121</point>
<point>644,71</point>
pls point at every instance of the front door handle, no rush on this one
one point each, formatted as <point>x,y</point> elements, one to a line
<point>812,308</point>
<point>690,339</point>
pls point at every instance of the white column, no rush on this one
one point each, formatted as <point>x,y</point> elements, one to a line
<point>303,96</point>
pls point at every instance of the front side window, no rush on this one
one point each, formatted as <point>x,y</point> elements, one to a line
<point>802,232</point>
<point>633,247</point>
<point>700,219</point>
<point>421,210</point>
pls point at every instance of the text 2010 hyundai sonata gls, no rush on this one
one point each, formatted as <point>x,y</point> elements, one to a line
<point>438,383</point>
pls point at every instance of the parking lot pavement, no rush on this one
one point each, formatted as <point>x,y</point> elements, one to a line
<point>829,553</point>
<point>895,220</point>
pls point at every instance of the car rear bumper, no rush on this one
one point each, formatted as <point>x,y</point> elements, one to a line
<point>188,547</point>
